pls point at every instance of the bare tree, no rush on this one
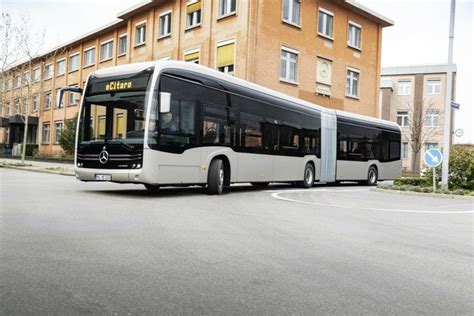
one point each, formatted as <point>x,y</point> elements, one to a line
<point>417,132</point>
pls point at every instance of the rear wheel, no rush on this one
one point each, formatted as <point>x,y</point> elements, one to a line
<point>215,178</point>
<point>308,179</point>
<point>372,176</point>
<point>152,188</point>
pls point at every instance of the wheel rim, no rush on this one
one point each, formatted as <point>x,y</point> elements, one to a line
<point>372,176</point>
<point>221,178</point>
<point>308,176</point>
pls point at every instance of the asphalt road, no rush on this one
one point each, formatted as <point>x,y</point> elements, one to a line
<point>82,248</point>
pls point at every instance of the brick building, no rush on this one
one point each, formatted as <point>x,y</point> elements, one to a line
<point>414,94</point>
<point>326,52</point>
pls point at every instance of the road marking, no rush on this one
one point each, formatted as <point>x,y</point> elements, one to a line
<point>276,195</point>
<point>316,190</point>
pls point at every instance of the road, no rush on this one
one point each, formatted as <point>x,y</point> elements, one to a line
<point>69,247</point>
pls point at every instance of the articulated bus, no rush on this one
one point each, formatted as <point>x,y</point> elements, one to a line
<point>172,123</point>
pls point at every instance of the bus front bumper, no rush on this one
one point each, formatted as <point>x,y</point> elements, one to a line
<point>109,175</point>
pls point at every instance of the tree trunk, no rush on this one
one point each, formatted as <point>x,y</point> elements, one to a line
<point>25,137</point>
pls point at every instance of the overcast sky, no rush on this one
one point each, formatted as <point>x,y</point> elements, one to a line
<point>419,37</point>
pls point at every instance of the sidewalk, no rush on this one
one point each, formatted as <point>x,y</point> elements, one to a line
<point>61,168</point>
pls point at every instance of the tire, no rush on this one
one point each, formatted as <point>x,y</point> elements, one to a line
<point>215,178</point>
<point>260,184</point>
<point>308,177</point>
<point>372,176</point>
<point>152,188</point>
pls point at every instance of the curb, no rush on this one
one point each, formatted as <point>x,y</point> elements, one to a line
<point>37,170</point>
<point>437,195</point>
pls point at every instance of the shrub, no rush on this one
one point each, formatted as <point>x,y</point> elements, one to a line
<point>30,149</point>
<point>460,192</point>
<point>461,167</point>
<point>68,136</point>
<point>418,181</point>
<point>427,190</point>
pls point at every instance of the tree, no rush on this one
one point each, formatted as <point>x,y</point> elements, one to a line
<point>417,132</point>
<point>68,136</point>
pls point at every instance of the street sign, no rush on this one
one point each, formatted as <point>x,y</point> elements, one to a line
<point>455,106</point>
<point>433,158</point>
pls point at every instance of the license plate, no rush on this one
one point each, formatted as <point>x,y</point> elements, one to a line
<point>103,177</point>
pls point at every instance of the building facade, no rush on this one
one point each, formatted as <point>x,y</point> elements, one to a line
<point>325,52</point>
<point>414,97</point>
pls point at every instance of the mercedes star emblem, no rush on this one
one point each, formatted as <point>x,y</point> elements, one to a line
<point>103,156</point>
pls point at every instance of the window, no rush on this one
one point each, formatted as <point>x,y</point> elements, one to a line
<point>89,57</point>
<point>120,129</point>
<point>429,146</point>
<point>101,126</point>
<point>61,67</point>
<point>46,133</point>
<point>403,118</point>
<point>58,128</point>
<point>47,101</point>
<point>432,118</point>
<point>193,14</point>
<point>291,11</point>
<point>192,56</point>
<point>7,108</point>
<point>433,86</point>
<point>288,65</point>
<point>17,81</point>
<point>48,71</point>
<point>404,87</point>
<point>140,34</point>
<point>352,83</point>
<point>405,151</point>
<point>73,97</point>
<point>74,62</point>
<point>25,104</point>
<point>226,7</point>
<point>325,23</point>
<point>165,24</point>
<point>36,74</point>
<point>26,78</point>
<point>106,50</point>
<point>122,45</point>
<point>226,57</point>
<point>36,102</point>
<point>9,84</point>
<point>353,36</point>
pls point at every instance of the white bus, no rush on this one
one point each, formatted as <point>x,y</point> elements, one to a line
<point>173,123</point>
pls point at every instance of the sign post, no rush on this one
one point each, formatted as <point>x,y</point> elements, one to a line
<point>433,158</point>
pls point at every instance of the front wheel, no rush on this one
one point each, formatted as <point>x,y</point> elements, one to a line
<point>308,179</point>
<point>215,178</point>
<point>372,176</point>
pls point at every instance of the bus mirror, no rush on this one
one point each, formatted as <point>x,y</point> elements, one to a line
<point>165,102</point>
<point>59,96</point>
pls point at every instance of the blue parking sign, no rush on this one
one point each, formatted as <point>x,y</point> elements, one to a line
<point>433,158</point>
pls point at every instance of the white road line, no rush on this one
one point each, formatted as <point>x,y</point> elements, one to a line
<point>277,196</point>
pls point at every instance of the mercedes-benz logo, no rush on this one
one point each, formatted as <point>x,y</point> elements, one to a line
<point>103,156</point>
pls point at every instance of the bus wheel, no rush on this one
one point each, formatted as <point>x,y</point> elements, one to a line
<point>260,184</point>
<point>152,188</point>
<point>215,178</point>
<point>308,179</point>
<point>372,176</point>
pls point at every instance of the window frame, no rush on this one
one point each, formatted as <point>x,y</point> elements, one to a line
<point>404,118</point>
<point>431,88</point>
<point>43,138</point>
<point>56,138</point>
<point>290,9</point>
<point>63,62</point>
<point>138,26</point>
<point>102,45</point>
<point>290,51</point>
<point>86,51</point>
<point>36,69</point>
<point>329,13</point>
<point>75,55</point>
<point>120,38</point>
<point>225,43</point>
<point>226,14</point>
<point>355,26</point>
<point>191,26</point>
<point>48,75</point>
<point>432,116</point>
<point>193,51</point>
<point>163,15</point>
<point>350,95</point>
<point>48,95</point>
<point>399,91</point>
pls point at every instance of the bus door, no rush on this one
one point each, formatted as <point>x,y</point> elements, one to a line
<point>328,146</point>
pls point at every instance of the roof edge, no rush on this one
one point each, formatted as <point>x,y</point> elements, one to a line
<point>384,21</point>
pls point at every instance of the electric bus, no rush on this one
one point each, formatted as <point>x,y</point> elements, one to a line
<point>171,123</point>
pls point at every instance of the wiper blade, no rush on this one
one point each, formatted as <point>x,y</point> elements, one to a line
<point>127,146</point>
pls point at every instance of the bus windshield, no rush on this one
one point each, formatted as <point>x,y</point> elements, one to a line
<point>114,110</point>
